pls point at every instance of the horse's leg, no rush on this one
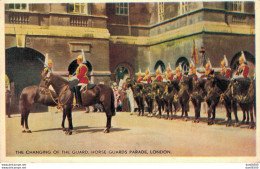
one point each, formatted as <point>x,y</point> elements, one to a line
<point>108,126</point>
<point>198,111</point>
<point>235,113</point>
<point>63,120</point>
<point>170,107</point>
<point>227,105</point>
<point>138,104</point>
<point>186,106</point>
<point>167,109</point>
<point>209,114</point>
<point>142,103</point>
<point>26,122</point>
<point>252,124</point>
<point>68,110</point>
<point>159,108</point>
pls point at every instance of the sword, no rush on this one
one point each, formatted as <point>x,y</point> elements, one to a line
<point>44,64</point>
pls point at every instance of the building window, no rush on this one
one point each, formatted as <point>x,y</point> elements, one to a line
<point>161,11</point>
<point>236,6</point>
<point>79,8</point>
<point>17,7</point>
<point>185,7</point>
<point>122,9</point>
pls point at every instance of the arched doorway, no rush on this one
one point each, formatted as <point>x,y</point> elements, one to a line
<point>121,70</point>
<point>161,64</point>
<point>250,62</point>
<point>23,69</point>
<point>183,61</point>
<point>73,67</point>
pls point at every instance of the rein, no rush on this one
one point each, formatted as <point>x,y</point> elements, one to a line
<point>58,102</point>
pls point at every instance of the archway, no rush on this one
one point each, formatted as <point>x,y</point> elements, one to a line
<point>23,69</point>
<point>250,61</point>
<point>183,61</point>
<point>121,70</point>
<point>161,64</point>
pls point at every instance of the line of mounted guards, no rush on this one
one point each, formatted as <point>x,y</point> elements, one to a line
<point>174,88</point>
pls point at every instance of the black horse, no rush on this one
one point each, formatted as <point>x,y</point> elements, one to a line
<point>100,94</point>
<point>149,96</point>
<point>159,89</point>
<point>137,89</point>
<point>168,95</point>
<point>244,95</point>
<point>184,89</point>
<point>222,86</point>
<point>197,96</point>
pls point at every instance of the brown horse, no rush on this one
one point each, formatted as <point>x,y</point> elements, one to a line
<point>100,94</point>
<point>34,94</point>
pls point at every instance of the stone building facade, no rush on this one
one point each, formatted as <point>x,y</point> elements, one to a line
<point>136,36</point>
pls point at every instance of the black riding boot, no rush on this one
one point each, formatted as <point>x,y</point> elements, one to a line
<point>78,96</point>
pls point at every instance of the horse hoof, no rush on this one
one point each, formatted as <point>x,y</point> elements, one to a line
<point>28,131</point>
<point>64,129</point>
<point>23,131</point>
<point>210,123</point>
<point>228,125</point>
<point>106,131</point>
<point>251,126</point>
<point>236,125</point>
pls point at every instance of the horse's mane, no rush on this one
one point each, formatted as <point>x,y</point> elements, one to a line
<point>222,82</point>
<point>59,78</point>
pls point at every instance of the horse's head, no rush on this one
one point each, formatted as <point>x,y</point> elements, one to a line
<point>45,80</point>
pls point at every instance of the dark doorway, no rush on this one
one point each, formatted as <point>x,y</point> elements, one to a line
<point>183,61</point>
<point>23,69</point>
<point>159,63</point>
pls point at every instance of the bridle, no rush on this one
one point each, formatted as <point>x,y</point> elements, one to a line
<point>57,101</point>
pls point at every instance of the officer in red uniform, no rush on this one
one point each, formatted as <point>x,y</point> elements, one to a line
<point>226,71</point>
<point>140,78</point>
<point>158,76</point>
<point>147,77</point>
<point>178,75</point>
<point>169,74</point>
<point>243,69</point>
<point>81,78</point>
<point>192,71</point>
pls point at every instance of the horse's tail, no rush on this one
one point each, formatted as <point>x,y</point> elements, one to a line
<point>113,110</point>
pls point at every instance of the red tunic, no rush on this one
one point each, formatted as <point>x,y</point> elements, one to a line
<point>226,72</point>
<point>170,76</point>
<point>139,80</point>
<point>179,76</point>
<point>149,79</point>
<point>243,70</point>
<point>81,74</point>
<point>159,78</point>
